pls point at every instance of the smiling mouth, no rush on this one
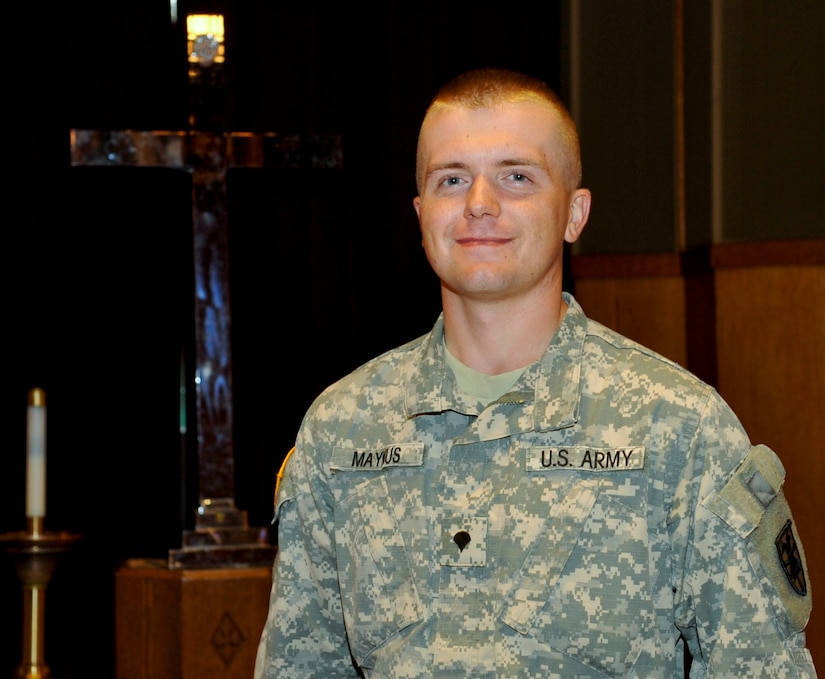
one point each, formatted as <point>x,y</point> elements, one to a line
<point>483,241</point>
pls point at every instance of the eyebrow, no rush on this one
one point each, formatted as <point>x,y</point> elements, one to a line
<point>503,163</point>
<point>441,167</point>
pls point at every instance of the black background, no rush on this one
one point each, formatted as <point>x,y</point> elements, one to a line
<point>326,265</point>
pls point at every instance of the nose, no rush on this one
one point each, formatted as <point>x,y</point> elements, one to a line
<point>481,200</point>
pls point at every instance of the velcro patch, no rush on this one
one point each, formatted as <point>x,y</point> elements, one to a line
<point>752,503</point>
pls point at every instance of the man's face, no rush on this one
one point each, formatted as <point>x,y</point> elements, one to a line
<point>494,208</point>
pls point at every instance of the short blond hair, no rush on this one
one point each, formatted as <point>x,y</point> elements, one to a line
<point>490,87</point>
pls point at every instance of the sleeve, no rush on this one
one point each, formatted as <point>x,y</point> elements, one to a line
<point>742,595</point>
<point>304,634</point>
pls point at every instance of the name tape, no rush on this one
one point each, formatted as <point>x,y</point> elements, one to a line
<point>361,459</point>
<point>585,458</point>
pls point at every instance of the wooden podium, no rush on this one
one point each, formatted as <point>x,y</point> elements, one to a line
<point>188,623</point>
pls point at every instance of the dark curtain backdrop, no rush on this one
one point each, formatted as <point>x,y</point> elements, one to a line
<point>326,265</point>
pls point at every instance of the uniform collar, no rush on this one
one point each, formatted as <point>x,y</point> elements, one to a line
<point>551,387</point>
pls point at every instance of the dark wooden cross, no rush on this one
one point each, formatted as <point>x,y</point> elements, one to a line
<point>221,535</point>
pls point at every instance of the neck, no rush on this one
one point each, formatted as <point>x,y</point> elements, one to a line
<point>500,336</point>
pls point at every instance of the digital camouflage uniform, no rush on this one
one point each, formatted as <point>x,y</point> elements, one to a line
<point>606,504</point>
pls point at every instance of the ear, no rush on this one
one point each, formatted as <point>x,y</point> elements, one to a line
<point>579,212</point>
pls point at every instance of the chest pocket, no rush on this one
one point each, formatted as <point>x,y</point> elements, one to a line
<point>584,587</point>
<point>375,573</point>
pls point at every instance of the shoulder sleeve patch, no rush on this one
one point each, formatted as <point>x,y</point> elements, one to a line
<point>791,559</point>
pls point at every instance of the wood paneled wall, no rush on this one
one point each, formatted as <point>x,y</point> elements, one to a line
<point>750,320</point>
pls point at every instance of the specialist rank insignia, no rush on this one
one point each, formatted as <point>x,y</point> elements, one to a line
<point>790,559</point>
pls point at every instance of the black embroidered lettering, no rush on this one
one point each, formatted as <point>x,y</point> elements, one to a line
<point>362,459</point>
<point>554,458</point>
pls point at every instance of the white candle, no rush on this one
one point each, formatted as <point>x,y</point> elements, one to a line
<point>36,454</point>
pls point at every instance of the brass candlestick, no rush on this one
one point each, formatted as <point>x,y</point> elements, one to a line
<point>36,553</point>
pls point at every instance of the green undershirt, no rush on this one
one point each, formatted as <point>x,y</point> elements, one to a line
<point>486,388</point>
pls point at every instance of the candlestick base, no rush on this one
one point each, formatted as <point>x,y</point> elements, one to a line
<point>36,553</point>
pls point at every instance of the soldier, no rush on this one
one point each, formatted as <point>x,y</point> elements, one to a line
<point>523,492</point>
